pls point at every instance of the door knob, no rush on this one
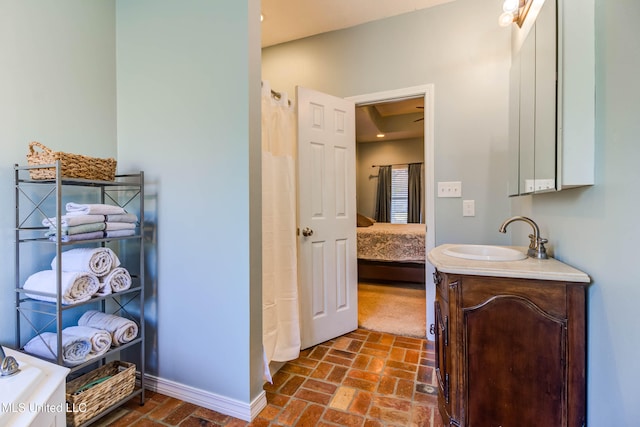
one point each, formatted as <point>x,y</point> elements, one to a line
<point>306,232</point>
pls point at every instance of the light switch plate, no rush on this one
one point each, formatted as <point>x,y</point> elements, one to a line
<point>450,189</point>
<point>468,208</point>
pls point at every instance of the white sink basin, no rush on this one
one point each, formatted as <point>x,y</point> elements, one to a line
<point>485,253</point>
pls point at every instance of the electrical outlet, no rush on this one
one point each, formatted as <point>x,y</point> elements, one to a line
<point>468,208</point>
<point>450,189</point>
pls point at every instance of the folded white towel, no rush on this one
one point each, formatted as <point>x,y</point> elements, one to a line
<point>74,349</point>
<point>74,209</point>
<point>122,329</point>
<point>70,221</point>
<point>98,261</point>
<point>78,237</point>
<point>117,280</point>
<point>110,226</point>
<point>76,286</point>
<point>76,229</point>
<point>128,217</point>
<point>119,233</point>
<point>99,338</point>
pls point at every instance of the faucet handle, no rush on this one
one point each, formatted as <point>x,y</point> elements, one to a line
<point>9,366</point>
<point>541,251</point>
<point>533,246</point>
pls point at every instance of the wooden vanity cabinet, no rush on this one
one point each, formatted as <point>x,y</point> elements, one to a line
<point>509,351</point>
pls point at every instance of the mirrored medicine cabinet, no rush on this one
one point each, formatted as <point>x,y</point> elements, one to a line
<point>551,98</point>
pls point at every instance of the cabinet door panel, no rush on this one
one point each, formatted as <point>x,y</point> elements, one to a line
<point>550,297</point>
<point>516,372</point>
<point>442,356</point>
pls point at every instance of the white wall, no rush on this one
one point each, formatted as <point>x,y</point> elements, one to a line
<point>381,153</point>
<point>57,86</point>
<point>461,50</point>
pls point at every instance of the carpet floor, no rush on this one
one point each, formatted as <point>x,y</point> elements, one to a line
<point>398,309</point>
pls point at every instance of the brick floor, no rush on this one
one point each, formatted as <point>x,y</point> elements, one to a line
<point>363,378</point>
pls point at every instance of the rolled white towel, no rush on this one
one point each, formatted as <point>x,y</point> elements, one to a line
<point>98,261</point>
<point>76,286</point>
<point>122,330</point>
<point>75,350</point>
<point>105,289</point>
<point>99,338</point>
<point>117,280</point>
<point>74,209</point>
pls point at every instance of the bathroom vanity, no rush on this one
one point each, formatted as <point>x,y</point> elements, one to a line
<point>35,396</point>
<point>510,341</point>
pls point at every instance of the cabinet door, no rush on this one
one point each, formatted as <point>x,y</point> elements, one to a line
<point>514,126</point>
<point>516,364</point>
<point>545,99</point>
<point>527,113</point>
<point>442,356</point>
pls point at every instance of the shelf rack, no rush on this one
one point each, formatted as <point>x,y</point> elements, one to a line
<point>36,200</point>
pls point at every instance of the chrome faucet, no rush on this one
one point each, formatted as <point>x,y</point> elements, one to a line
<point>8,364</point>
<point>536,243</point>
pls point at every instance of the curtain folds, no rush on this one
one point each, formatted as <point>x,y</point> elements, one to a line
<point>383,199</point>
<point>281,325</point>
<point>414,214</point>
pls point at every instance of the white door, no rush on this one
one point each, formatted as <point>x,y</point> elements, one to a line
<point>327,267</point>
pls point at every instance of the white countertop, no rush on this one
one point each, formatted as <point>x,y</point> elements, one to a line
<point>529,268</point>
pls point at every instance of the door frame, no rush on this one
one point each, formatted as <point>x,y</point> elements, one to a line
<point>427,91</point>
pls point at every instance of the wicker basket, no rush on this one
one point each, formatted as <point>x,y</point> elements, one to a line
<point>72,165</point>
<point>84,404</point>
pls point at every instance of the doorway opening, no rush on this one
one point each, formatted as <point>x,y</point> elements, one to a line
<point>394,293</point>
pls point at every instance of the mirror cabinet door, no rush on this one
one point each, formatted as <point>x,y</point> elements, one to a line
<point>514,126</point>
<point>545,99</point>
<point>527,112</point>
<point>533,142</point>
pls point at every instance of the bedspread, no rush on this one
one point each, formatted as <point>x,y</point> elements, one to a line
<point>392,242</point>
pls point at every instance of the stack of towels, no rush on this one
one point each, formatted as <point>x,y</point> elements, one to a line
<point>94,335</point>
<point>85,272</point>
<point>91,221</point>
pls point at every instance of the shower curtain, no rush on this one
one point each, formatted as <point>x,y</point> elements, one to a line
<point>280,312</point>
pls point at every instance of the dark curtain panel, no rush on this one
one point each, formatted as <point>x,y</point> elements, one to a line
<point>415,193</point>
<point>383,200</point>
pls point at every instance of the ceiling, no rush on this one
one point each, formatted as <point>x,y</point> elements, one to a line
<point>286,20</point>
<point>396,120</point>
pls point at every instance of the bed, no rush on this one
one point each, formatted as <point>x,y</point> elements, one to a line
<point>392,252</point>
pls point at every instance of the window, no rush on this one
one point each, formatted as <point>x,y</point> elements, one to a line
<point>399,194</point>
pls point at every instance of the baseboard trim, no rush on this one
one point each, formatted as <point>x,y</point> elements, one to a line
<point>215,402</point>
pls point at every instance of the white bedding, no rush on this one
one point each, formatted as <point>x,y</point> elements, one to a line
<point>392,242</point>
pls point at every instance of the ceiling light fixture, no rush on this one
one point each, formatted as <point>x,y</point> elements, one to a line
<point>514,11</point>
<point>380,135</point>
